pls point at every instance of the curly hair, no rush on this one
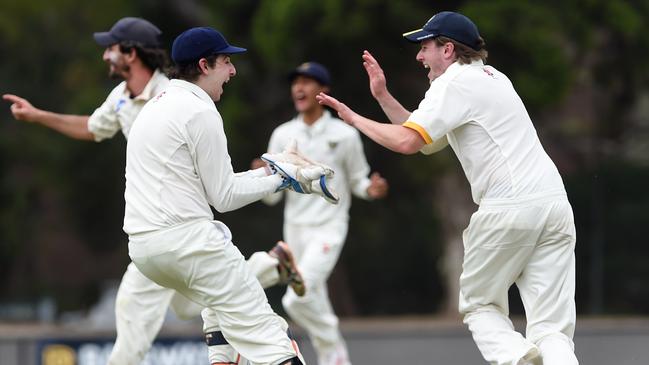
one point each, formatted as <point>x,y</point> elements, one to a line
<point>152,57</point>
<point>189,71</point>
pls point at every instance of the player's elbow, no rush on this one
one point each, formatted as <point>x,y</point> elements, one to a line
<point>272,199</point>
<point>406,149</point>
<point>223,205</point>
<point>221,209</point>
<point>410,143</point>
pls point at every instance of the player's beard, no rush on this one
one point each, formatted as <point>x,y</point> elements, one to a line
<point>118,69</point>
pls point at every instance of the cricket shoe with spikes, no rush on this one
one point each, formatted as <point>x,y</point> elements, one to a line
<point>288,272</point>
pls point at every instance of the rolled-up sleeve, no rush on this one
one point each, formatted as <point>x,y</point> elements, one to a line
<point>104,123</point>
<point>441,111</point>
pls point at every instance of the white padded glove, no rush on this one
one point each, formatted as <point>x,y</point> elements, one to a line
<point>301,174</point>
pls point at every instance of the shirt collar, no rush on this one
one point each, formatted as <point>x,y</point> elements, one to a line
<point>150,87</point>
<point>193,88</point>
<point>318,126</point>
<point>455,68</point>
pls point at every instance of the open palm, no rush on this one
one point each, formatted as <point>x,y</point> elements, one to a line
<point>375,73</point>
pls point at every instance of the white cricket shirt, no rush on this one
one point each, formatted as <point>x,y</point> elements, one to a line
<point>177,163</point>
<point>336,144</point>
<point>489,129</point>
<point>120,110</point>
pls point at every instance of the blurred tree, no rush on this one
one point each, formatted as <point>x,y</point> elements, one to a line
<point>55,63</point>
<point>578,65</point>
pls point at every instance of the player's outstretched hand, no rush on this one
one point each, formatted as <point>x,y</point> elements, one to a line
<point>378,85</point>
<point>344,112</point>
<point>21,108</point>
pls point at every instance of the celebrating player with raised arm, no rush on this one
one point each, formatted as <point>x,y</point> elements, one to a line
<point>523,232</point>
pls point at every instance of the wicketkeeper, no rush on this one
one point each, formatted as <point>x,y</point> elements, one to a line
<point>177,166</point>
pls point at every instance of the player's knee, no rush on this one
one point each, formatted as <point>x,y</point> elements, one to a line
<point>290,302</point>
<point>554,340</point>
<point>121,304</point>
<point>293,303</point>
<point>187,312</point>
<point>469,311</point>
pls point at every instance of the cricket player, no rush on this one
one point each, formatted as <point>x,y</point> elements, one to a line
<point>523,232</point>
<point>314,229</point>
<point>177,166</point>
<point>134,54</point>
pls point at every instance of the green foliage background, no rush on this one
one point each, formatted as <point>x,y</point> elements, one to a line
<point>579,65</point>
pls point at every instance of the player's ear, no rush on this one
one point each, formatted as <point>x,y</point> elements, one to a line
<point>131,55</point>
<point>203,65</point>
<point>325,89</point>
<point>449,48</point>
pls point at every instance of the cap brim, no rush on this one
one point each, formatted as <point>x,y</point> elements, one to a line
<point>296,73</point>
<point>104,39</point>
<point>416,36</point>
<point>232,50</point>
<point>293,74</point>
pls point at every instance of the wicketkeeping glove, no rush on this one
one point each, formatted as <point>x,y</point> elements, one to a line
<point>301,174</point>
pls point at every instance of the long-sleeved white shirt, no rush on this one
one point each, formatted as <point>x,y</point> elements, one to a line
<point>119,110</point>
<point>177,163</point>
<point>332,142</point>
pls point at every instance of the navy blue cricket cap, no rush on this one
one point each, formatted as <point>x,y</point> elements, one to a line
<point>195,43</point>
<point>313,70</point>
<point>130,29</point>
<point>448,24</point>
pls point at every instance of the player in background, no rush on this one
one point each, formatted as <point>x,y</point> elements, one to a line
<point>134,54</point>
<point>523,232</point>
<point>177,166</point>
<point>314,229</point>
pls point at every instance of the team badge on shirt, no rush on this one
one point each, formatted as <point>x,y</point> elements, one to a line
<point>332,145</point>
<point>120,104</point>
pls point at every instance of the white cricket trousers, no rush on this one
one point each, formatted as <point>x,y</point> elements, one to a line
<point>141,306</point>
<point>530,243</point>
<point>199,261</point>
<point>316,250</point>
<point>140,309</point>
